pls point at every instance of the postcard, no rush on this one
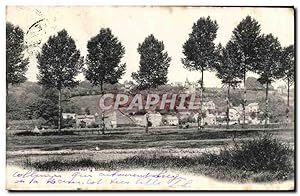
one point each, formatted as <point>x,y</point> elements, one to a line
<point>150,98</point>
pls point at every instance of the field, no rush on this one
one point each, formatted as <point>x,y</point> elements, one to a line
<point>132,146</point>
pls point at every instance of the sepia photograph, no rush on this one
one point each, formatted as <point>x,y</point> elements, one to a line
<point>150,98</point>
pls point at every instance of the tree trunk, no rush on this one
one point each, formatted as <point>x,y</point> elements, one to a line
<point>288,101</point>
<point>102,112</point>
<point>59,110</point>
<point>244,102</point>
<point>201,101</point>
<point>147,122</point>
<point>227,111</point>
<point>267,106</point>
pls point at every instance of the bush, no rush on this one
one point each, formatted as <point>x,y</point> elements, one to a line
<point>264,153</point>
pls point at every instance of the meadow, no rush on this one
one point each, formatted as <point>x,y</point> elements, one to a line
<point>215,153</point>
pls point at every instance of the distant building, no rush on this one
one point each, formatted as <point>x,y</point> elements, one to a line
<point>140,120</point>
<point>210,119</point>
<point>282,89</point>
<point>84,120</point>
<point>116,118</point>
<point>170,120</point>
<point>155,118</point>
<point>234,114</point>
<point>184,114</point>
<point>190,87</point>
<point>68,115</point>
<point>252,107</point>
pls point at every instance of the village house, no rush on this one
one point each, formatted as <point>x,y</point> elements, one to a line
<point>139,119</point>
<point>184,114</point>
<point>209,119</point>
<point>84,120</point>
<point>190,87</point>
<point>68,115</point>
<point>155,118</point>
<point>171,120</point>
<point>252,107</point>
<point>234,114</point>
<point>282,89</point>
<point>116,118</point>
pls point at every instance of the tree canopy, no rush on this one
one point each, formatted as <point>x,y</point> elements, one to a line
<point>199,49</point>
<point>104,56</point>
<point>59,62</point>
<point>154,64</point>
<point>16,63</point>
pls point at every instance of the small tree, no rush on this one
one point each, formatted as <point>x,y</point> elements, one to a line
<point>154,64</point>
<point>269,64</point>
<point>246,35</point>
<point>228,70</point>
<point>59,63</point>
<point>103,60</point>
<point>199,51</point>
<point>16,64</point>
<point>287,70</point>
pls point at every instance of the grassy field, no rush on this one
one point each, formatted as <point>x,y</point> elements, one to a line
<point>181,149</point>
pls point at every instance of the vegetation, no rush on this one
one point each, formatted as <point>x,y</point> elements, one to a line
<point>268,66</point>
<point>16,63</point>
<point>103,60</point>
<point>59,62</point>
<point>260,159</point>
<point>200,52</point>
<point>246,36</point>
<point>154,64</point>
<point>229,71</point>
<point>288,72</point>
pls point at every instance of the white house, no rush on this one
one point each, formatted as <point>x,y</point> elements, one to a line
<point>282,89</point>
<point>171,120</point>
<point>155,118</point>
<point>252,107</point>
<point>210,119</point>
<point>234,114</point>
<point>68,115</point>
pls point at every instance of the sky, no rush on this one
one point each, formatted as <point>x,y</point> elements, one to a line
<point>131,25</point>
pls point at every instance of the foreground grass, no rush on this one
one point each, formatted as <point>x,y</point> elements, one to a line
<point>133,140</point>
<point>262,159</point>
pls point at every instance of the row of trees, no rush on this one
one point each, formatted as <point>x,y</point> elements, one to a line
<point>247,50</point>
<point>59,61</point>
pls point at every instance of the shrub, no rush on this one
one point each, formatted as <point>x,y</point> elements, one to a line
<point>264,153</point>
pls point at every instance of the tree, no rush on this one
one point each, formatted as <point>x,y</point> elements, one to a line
<point>246,35</point>
<point>287,70</point>
<point>103,60</point>
<point>104,56</point>
<point>16,63</point>
<point>46,107</point>
<point>154,64</point>
<point>59,63</point>
<point>228,70</point>
<point>199,51</point>
<point>269,64</point>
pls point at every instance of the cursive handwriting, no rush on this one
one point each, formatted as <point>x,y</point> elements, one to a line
<point>94,178</point>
